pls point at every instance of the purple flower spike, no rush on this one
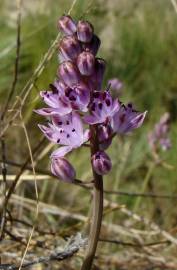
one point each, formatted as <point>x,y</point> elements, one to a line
<point>101,163</point>
<point>70,48</point>
<point>93,45</point>
<point>126,119</point>
<point>86,63</point>
<point>69,73</point>
<point>67,25</point>
<point>65,130</point>
<point>84,31</point>
<point>159,136</point>
<point>63,169</point>
<point>165,144</point>
<point>103,107</point>
<point>116,85</point>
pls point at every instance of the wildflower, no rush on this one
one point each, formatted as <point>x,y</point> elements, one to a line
<point>102,108</point>
<point>84,31</point>
<point>67,25</point>
<point>67,131</point>
<point>101,163</point>
<point>69,73</point>
<point>56,103</point>
<point>69,48</point>
<point>86,63</point>
<point>93,45</point>
<point>126,119</point>
<point>62,169</point>
<point>159,136</point>
<point>78,90</point>
<point>116,85</point>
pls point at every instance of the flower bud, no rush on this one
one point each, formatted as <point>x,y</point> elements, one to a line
<point>101,163</point>
<point>84,31</point>
<point>93,45</point>
<point>104,136</point>
<point>86,63</point>
<point>62,169</point>
<point>67,25</point>
<point>70,48</point>
<point>98,74</point>
<point>69,73</point>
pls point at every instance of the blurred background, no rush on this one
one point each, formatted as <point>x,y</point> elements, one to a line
<point>139,44</point>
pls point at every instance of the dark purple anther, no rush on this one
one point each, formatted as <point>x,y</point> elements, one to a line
<point>69,73</point>
<point>84,31</point>
<point>101,163</point>
<point>86,63</point>
<point>69,48</point>
<point>93,45</point>
<point>67,25</point>
<point>62,169</point>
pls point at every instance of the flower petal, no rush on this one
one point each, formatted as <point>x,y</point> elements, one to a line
<point>61,152</point>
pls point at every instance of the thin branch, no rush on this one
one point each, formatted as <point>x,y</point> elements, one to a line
<point>174,5</point>
<point>4,175</point>
<point>56,255</point>
<point>137,194</point>
<point>119,242</point>
<point>108,192</point>
<point>36,74</point>
<point>12,187</point>
<point>16,68</point>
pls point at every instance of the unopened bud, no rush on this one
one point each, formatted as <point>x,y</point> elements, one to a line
<point>97,78</point>
<point>70,48</point>
<point>104,136</point>
<point>84,31</point>
<point>69,73</point>
<point>93,45</point>
<point>62,169</point>
<point>86,63</point>
<point>101,163</point>
<point>67,25</point>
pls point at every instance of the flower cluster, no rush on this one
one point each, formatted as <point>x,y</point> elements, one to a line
<point>159,136</point>
<point>76,99</point>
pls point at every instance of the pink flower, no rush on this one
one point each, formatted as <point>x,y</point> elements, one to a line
<point>126,119</point>
<point>67,131</point>
<point>103,107</point>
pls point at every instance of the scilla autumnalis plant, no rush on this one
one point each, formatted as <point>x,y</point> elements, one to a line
<point>75,100</point>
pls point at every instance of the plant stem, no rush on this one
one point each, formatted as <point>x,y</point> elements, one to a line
<point>97,211</point>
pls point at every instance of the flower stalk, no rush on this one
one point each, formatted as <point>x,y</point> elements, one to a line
<point>76,99</point>
<point>97,211</point>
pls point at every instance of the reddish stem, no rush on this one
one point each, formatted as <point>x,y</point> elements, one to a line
<point>97,207</point>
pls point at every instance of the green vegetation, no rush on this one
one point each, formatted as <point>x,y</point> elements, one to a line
<point>139,43</point>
